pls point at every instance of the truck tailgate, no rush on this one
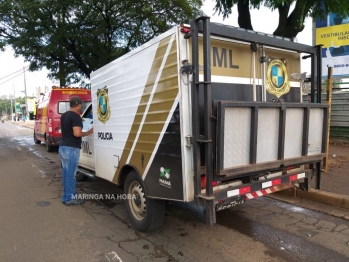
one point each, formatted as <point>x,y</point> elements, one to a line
<point>256,136</point>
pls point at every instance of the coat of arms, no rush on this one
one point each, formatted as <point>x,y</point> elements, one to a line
<point>103,108</point>
<point>277,77</point>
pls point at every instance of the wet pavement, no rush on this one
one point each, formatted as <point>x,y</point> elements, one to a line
<point>273,216</point>
<point>35,226</point>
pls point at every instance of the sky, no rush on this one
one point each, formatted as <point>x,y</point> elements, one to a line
<point>14,84</point>
<point>263,20</point>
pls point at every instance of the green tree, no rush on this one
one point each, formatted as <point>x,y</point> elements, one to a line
<point>7,101</point>
<point>73,38</point>
<point>5,105</point>
<point>292,13</point>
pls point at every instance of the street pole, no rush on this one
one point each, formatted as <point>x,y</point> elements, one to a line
<point>26,99</point>
<point>14,102</point>
<point>329,103</point>
<point>11,116</point>
<point>6,106</point>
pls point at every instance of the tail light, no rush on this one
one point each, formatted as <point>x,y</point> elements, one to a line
<point>50,125</point>
<point>203,182</point>
<point>185,29</point>
<point>58,129</point>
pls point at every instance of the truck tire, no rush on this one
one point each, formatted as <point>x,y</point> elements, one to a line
<point>49,148</point>
<point>145,214</point>
<point>36,141</point>
<point>80,177</point>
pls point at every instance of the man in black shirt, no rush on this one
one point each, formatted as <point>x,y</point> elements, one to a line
<point>69,149</point>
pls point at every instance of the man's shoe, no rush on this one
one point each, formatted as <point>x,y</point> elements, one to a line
<point>73,202</point>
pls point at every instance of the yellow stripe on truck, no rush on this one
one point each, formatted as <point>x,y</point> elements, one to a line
<point>161,105</point>
<point>44,118</point>
<point>159,56</point>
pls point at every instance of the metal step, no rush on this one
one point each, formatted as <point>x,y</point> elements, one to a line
<point>86,172</point>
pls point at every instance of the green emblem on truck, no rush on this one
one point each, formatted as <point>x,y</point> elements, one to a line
<point>277,77</point>
<point>103,108</point>
<point>164,179</point>
<point>165,173</point>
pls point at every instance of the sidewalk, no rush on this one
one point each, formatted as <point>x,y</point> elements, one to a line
<point>334,188</point>
<point>27,123</point>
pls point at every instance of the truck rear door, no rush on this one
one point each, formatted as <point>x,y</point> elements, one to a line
<point>249,126</point>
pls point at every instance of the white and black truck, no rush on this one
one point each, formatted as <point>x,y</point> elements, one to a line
<point>206,113</point>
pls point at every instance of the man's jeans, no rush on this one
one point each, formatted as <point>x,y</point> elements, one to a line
<point>69,159</point>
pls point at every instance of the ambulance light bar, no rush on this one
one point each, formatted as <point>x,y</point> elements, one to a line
<point>88,86</point>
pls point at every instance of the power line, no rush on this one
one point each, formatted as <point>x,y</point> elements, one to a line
<point>16,72</point>
<point>14,76</point>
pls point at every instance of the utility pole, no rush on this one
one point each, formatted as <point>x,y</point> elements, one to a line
<point>14,102</point>
<point>11,109</point>
<point>6,106</point>
<point>26,99</point>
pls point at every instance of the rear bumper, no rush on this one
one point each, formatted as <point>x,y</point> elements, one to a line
<point>228,196</point>
<point>54,141</point>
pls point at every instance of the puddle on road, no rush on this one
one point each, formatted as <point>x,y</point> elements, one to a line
<point>24,140</point>
<point>234,220</point>
<point>35,152</point>
<point>45,158</point>
<point>282,243</point>
<point>54,164</point>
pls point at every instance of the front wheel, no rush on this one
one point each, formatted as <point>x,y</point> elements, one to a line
<point>145,214</point>
<point>80,177</point>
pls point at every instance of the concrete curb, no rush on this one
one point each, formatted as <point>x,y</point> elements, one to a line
<point>24,124</point>
<point>324,197</point>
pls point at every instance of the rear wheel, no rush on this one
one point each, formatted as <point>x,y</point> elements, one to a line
<point>35,140</point>
<point>49,148</point>
<point>145,214</point>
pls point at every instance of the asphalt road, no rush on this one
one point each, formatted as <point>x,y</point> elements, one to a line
<point>36,226</point>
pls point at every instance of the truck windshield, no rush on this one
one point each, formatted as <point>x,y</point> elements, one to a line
<point>64,106</point>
